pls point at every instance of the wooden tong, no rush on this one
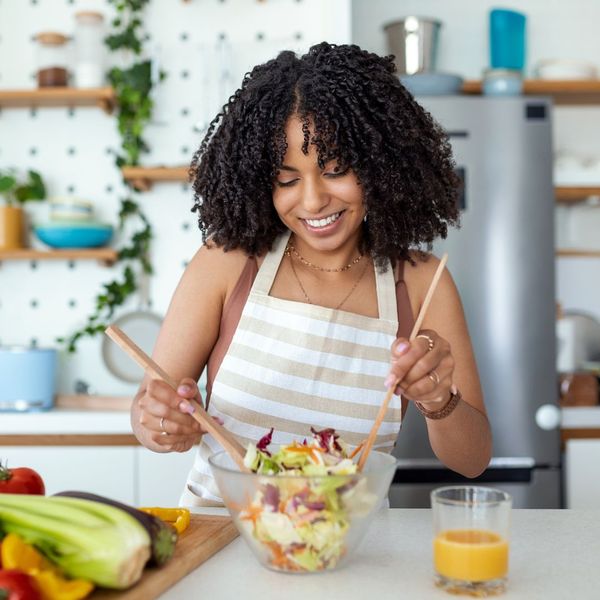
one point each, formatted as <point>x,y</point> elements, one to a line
<point>224,437</point>
<point>415,330</point>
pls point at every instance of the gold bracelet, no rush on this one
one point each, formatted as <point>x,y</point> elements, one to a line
<point>442,412</point>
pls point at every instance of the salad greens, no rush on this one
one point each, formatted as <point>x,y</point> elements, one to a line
<point>302,516</point>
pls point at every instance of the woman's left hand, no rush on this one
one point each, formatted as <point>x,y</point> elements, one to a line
<point>424,368</point>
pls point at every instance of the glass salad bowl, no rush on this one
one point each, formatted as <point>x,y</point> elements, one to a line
<point>301,523</point>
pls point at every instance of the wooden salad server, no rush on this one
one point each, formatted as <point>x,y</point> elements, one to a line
<point>224,437</point>
<point>415,330</point>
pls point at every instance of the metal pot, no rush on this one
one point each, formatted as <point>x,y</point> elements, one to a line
<point>27,378</point>
<point>413,41</point>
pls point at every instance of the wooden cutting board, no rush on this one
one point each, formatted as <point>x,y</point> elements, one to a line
<point>205,536</point>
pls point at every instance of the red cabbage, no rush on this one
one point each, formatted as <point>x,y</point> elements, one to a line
<point>264,442</point>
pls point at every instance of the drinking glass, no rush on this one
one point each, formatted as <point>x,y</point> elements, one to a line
<point>470,547</point>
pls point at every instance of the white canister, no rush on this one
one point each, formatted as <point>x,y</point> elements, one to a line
<point>90,52</point>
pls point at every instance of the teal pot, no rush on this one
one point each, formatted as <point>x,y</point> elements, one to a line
<point>27,378</point>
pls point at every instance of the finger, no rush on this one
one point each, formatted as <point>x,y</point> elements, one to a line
<point>438,360</point>
<point>160,401</point>
<point>404,356</point>
<point>427,390</point>
<point>170,442</point>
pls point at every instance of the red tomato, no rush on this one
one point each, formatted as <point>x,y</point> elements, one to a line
<point>15,585</point>
<point>21,480</point>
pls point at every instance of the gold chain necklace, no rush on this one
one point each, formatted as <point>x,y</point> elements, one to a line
<point>345,297</point>
<point>291,249</point>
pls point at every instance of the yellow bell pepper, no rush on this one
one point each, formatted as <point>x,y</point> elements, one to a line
<point>16,554</point>
<point>178,517</point>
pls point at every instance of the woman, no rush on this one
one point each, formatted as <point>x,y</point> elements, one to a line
<point>311,188</point>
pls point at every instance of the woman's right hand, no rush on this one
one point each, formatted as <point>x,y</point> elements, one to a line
<point>163,417</point>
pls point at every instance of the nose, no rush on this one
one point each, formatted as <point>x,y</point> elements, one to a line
<point>314,198</point>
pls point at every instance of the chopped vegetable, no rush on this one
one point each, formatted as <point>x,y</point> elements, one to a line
<point>21,480</point>
<point>15,585</point>
<point>16,554</point>
<point>163,536</point>
<point>177,517</point>
<point>85,539</point>
<point>303,516</point>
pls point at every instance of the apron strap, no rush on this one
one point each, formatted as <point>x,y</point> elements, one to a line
<point>266,274</point>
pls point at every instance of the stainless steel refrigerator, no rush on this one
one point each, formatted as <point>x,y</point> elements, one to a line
<point>502,259</point>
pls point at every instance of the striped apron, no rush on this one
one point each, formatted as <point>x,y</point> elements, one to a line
<point>293,366</point>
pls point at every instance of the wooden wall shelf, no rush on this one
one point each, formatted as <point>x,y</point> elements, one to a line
<point>572,195</point>
<point>586,91</point>
<point>142,178</point>
<point>574,253</point>
<point>106,256</point>
<point>104,98</point>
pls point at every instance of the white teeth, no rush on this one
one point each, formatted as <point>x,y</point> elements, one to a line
<point>322,222</point>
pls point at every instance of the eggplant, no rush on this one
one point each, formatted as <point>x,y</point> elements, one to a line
<point>163,536</point>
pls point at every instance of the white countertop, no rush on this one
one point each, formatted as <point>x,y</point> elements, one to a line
<point>553,556</point>
<point>63,421</point>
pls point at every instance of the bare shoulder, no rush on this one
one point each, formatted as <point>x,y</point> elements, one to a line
<point>418,277</point>
<point>213,267</point>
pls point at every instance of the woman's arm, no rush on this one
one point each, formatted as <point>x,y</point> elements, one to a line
<point>187,336</point>
<point>463,439</point>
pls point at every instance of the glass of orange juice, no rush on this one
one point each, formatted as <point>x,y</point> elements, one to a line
<point>470,547</point>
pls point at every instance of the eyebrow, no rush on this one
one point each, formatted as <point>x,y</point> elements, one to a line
<point>288,168</point>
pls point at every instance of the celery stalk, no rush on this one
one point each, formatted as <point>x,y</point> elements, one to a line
<point>86,539</point>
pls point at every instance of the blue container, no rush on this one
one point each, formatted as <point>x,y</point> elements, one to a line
<point>27,378</point>
<point>507,39</point>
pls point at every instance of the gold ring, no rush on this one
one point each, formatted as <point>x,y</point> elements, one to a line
<point>430,343</point>
<point>434,377</point>
<point>162,426</point>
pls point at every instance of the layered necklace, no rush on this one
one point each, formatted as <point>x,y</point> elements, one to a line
<point>291,250</point>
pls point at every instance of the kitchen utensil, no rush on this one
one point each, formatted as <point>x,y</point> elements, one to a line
<point>415,330</point>
<point>432,84</point>
<point>268,512</point>
<point>205,536</point>
<point>226,439</point>
<point>27,378</point>
<point>413,41</point>
<point>141,325</point>
<point>507,39</point>
<point>64,234</point>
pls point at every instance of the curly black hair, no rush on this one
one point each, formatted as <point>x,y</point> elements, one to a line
<point>362,116</point>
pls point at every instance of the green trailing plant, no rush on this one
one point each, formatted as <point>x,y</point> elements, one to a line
<point>132,86</point>
<point>18,191</point>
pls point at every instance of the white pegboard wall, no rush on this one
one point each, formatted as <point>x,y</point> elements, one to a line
<point>205,46</point>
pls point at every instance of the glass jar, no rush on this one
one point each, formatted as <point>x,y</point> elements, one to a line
<point>90,51</point>
<point>502,82</point>
<point>52,59</point>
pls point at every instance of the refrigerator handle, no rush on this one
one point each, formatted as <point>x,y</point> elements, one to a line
<point>547,417</point>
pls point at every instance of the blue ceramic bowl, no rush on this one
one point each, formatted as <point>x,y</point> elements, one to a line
<point>74,235</point>
<point>432,84</point>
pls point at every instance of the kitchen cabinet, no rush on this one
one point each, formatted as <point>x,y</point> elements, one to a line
<point>131,474</point>
<point>108,471</point>
<point>582,458</point>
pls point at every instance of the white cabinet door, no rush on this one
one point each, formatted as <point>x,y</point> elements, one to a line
<point>161,477</point>
<point>108,471</point>
<point>582,460</point>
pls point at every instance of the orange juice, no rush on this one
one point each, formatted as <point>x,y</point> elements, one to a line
<point>470,555</point>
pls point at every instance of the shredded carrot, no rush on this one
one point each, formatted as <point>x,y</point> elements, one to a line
<point>357,449</point>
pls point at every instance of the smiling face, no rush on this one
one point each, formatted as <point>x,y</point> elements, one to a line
<point>324,208</point>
